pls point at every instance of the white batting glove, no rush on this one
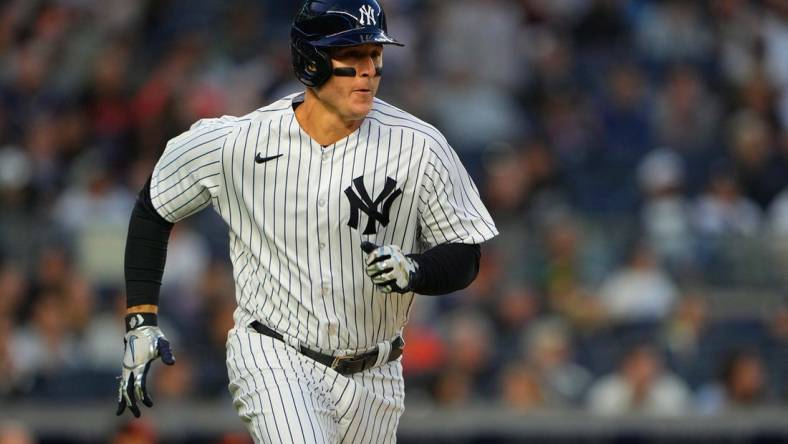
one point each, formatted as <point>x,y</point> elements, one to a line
<point>389,269</point>
<point>142,345</point>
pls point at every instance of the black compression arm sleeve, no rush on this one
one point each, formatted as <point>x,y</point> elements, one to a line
<point>446,268</point>
<point>146,251</point>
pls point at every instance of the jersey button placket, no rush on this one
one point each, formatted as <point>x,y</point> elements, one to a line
<point>322,236</point>
<point>321,201</point>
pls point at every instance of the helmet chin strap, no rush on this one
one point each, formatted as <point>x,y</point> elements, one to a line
<point>351,72</point>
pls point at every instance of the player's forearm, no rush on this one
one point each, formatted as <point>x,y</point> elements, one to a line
<point>446,268</point>
<point>146,254</point>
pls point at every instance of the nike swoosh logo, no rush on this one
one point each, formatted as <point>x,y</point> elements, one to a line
<point>131,346</point>
<point>260,159</point>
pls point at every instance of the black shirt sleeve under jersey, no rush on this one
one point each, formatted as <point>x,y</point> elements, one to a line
<point>146,251</point>
<point>446,268</point>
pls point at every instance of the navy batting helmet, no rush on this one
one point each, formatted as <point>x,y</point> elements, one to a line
<point>322,24</point>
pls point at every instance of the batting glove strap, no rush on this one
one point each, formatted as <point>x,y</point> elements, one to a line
<point>142,346</point>
<point>138,320</point>
<point>391,270</point>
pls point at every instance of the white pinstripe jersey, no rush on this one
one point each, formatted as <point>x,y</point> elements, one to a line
<point>296,221</point>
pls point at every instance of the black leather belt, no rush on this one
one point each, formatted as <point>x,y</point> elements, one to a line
<point>345,365</point>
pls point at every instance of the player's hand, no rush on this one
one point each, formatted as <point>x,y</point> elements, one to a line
<point>142,345</point>
<point>389,269</point>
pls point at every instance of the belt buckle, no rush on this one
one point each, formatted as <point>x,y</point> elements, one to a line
<point>338,360</point>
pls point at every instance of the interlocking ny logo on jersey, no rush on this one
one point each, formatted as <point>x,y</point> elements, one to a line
<point>360,200</point>
<point>367,16</point>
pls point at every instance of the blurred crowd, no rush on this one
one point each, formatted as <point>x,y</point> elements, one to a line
<point>633,153</point>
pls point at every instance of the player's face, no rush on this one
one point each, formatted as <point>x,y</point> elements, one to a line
<point>352,97</point>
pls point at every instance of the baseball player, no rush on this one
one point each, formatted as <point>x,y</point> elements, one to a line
<point>341,208</point>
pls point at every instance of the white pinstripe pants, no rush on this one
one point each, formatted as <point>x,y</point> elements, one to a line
<point>285,397</point>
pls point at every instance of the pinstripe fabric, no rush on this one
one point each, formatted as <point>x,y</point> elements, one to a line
<point>296,221</point>
<point>297,262</point>
<point>285,397</point>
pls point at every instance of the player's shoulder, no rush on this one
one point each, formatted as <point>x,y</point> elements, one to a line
<point>208,131</point>
<point>214,123</point>
<point>388,115</point>
<point>273,110</point>
<point>226,126</point>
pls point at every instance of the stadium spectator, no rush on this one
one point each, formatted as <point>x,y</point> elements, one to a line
<point>519,387</point>
<point>736,29</point>
<point>777,222</point>
<point>95,192</point>
<point>742,385</point>
<point>21,224</point>
<point>682,334</point>
<point>13,288</point>
<point>9,374</point>
<point>547,344</point>
<point>497,65</point>
<point>673,31</point>
<point>641,385</point>
<point>506,192</point>
<point>469,367</point>
<point>514,309</point>
<point>626,135</point>
<point>774,34</point>
<point>16,433</point>
<point>665,212</point>
<point>687,116</point>
<point>777,355</point>
<point>640,290</point>
<point>722,209</point>
<point>44,348</point>
<point>453,388</point>
<point>759,169</point>
<point>564,269</point>
<point>98,347</point>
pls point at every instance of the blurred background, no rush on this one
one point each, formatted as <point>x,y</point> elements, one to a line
<point>633,153</point>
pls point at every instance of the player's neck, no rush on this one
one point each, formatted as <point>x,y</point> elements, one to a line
<point>323,124</point>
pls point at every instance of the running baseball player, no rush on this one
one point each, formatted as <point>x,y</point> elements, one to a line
<point>341,208</point>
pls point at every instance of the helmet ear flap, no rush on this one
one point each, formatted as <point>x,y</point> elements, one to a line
<point>312,65</point>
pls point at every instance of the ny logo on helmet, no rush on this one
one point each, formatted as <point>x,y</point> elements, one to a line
<point>360,200</point>
<point>367,16</point>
